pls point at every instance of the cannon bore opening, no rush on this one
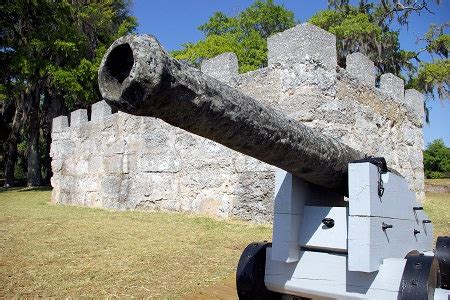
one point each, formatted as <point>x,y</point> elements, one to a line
<point>117,68</point>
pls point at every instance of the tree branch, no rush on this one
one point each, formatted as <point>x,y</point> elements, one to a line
<point>400,7</point>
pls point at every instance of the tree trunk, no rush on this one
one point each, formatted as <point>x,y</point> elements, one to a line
<point>53,107</point>
<point>13,139</point>
<point>34,176</point>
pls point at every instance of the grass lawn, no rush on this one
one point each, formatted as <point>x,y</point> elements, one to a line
<point>64,251</point>
<point>437,207</point>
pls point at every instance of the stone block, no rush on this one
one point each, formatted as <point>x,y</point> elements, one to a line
<point>57,165</point>
<point>162,161</point>
<point>306,78</point>
<point>61,148</point>
<point>149,188</point>
<point>93,199</point>
<point>263,84</point>
<point>246,163</point>
<point>362,68</point>
<point>81,167</point>
<point>56,193</point>
<point>100,110</point>
<point>415,99</point>
<point>88,185</point>
<point>129,163</point>
<point>223,67</point>
<point>393,86</point>
<point>67,183</point>
<point>113,164</point>
<point>129,124</point>
<point>95,164</point>
<point>78,117</point>
<point>301,42</point>
<point>60,123</point>
<point>115,146</point>
<point>110,186</point>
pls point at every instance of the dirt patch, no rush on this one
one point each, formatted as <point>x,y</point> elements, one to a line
<point>443,189</point>
<point>222,290</point>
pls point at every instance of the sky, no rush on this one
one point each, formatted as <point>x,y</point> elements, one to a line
<point>175,22</point>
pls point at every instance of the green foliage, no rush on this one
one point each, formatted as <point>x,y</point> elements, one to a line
<point>244,35</point>
<point>440,44</point>
<point>74,81</point>
<point>436,159</point>
<point>386,11</point>
<point>435,175</point>
<point>51,51</point>
<point>433,76</point>
<point>20,171</point>
<point>3,95</point>
<point>436,40</point>
<point>219,24</point>
<point>127,26</point>
<point>55,44</point>
<point>367,27</point>
<point>210,47</point>
<point>266,18</point>
<point>65,48</point>
<point>357,31</point>
<point>352,25</point>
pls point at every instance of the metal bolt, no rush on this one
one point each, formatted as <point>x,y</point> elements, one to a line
<point>385,226</point>
<point>328,222</point>
<point>417,208</point>
<point>426,221</point>
<point>416,231</point>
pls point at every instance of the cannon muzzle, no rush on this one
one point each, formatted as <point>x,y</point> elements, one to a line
<point>139,77</point>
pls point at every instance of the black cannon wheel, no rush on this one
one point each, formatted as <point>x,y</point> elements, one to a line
<point>420,277</point>
<point>442,254</point>
<point>250,274</point>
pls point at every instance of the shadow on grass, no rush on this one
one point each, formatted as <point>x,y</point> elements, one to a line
<point>25,189</point>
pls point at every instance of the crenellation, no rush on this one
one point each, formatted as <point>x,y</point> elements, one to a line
<point>78,117</point>
<point>304,41</point>
<point>59,124</point>
<point>362,68</point>
<point>393,86</point>
<point>100,111</point>
<point>119,161</point>
<point>223,67</point>
<point>415,100</point>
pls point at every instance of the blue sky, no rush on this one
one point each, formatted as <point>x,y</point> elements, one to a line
<point>175,22</point>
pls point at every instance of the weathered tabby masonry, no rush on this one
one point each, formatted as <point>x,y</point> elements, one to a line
<point>125,162</point>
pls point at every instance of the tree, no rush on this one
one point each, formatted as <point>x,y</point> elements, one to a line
<point>387,10</point>
<point>367,28</point>
<point>357,31</point>
<point>51,50</point>
<point>435,75</point>
<point>244,35</point>
<point>436,159</point>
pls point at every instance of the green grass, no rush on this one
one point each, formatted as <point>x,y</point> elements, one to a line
<point>437,206</point>
<point>64,251</point>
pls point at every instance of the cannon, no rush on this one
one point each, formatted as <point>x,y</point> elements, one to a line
<point>345,225</point>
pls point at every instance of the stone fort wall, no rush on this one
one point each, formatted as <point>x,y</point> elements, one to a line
<point>124,162</point>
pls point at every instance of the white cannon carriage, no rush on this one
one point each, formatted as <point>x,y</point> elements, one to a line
<point>376,244</point>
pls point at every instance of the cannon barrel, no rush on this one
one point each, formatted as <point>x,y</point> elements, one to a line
<point>139,77</point>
